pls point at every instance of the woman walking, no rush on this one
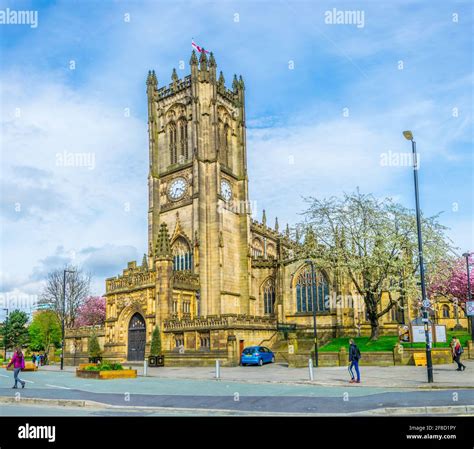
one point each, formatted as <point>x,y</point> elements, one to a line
<point>18,362</point>
<point>457,351</point>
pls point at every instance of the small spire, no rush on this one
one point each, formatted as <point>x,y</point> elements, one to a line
<point>287,230</point>
<point>203,60</point>
<point>151,78</point>
<point>174,76</point>
<point>194,59</point>
<point>145,262</point>
<point>235,84</point>
<point>163,247</point>
<point>241,82</point>
<point>212,61</point>
<point>276,224</point>
<point>221,80</point>
<point>264,218</point>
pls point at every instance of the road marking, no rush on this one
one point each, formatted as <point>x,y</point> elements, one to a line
<point>29,381</point>
<point>3,375</point>
<point>57,386</point>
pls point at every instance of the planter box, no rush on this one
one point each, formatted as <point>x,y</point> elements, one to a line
<point>95,359</point>
<point>83,366</point>
<point>29,366</point>
<point>117,374</point>
<point>156,360</point>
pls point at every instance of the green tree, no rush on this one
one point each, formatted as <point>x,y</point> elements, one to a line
<point>45,331</point>
<point>15,332</point>
<point>374,243</point>
<point>155,348</point>
<point>94,347</point>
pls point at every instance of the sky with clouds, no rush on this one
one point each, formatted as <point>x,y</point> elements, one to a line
<point>326,105</point>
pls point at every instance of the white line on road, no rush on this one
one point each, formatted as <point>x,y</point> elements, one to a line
<point>29,381</point>
<point>57,386</point>
<point>3,375</point>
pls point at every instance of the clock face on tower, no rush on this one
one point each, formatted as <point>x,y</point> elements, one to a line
<point>177,189</point>
<point>226,190</point>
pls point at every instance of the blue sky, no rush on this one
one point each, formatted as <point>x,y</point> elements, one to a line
<point>325,104</point>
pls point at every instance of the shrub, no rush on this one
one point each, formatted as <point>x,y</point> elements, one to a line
<point>155,348</point>
<point>105,366</point>
<point>94,347</point>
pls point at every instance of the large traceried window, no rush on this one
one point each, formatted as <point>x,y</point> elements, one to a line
<point>183,140</point>
<point>269,297</point>
<point>172,140</point>
<point>182,255</point>
<point>309,293</point>
<point>223,137</point>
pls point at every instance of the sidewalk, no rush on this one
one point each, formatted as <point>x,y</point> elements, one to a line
<point>411,377</point>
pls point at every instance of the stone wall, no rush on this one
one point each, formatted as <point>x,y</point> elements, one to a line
<point>77,344</point>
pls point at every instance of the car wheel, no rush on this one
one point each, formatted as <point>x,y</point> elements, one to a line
<point>243,364</point>
<point>260,362</point>
<point>273,359</point>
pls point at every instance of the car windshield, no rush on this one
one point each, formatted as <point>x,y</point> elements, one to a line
<point>250,350</point>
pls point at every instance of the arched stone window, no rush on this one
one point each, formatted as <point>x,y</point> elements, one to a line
<point>309,292</point>
<point>271,251</point>
<point>183,140</point>
<point>257,248</point>
<point>182,255</point>
<point>268,289</point>
<point>172,140</point>
<point>445,311</point>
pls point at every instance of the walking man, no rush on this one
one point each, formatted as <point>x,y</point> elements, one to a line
<point>354,357</point>
<point>457,351</point>
<point>18,362</point>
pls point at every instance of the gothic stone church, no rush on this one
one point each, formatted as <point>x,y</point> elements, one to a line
<point>213,279</point>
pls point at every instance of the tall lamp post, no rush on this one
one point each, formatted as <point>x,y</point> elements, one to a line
<point>425,303</point>
<point>63,317</point>
<point>313,306</point>
<point>469,296</point>
<point>4,340</point>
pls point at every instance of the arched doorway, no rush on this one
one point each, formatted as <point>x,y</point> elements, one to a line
<point>136,338</point>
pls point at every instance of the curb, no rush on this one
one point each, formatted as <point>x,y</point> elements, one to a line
<point>430,410</point>
<point>42,401</point>
<point>390,411</point>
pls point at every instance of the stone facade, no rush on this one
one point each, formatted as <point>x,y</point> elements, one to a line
<point>214,280</point>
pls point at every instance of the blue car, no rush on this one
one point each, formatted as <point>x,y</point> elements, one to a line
<point>256,355</point>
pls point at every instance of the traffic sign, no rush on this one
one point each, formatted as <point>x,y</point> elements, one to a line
<point>426,303</point>
<point>470,308</point>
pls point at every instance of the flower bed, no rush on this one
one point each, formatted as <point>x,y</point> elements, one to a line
<point>105,370</point>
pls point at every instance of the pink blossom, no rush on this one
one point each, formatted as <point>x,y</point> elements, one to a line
<point>91,312</point>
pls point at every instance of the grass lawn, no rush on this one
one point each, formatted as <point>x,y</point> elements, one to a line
<point>386,343</point>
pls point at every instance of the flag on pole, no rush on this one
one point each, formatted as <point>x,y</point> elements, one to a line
<point>198,48</point>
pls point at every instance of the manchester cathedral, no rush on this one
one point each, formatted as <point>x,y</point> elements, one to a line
<point>213,279</point>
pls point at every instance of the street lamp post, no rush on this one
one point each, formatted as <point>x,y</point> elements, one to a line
<point>63,317</point>
<point>469,296</point>
<point>313,306</point>
<point>4,340</point>
<point>429,364</point>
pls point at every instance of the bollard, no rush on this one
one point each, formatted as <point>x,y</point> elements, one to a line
<point>218,369</point>
<point>310,366</point>
<point>145,366</point>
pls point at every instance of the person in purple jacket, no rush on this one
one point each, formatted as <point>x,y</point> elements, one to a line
<point>18,362</point>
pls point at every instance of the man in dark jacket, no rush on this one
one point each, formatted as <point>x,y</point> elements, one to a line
<point>354,357</point>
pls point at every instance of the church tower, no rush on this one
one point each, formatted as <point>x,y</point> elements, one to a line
<point>198,183</point>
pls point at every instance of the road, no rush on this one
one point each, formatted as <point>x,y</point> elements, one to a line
<point>200,396</point>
